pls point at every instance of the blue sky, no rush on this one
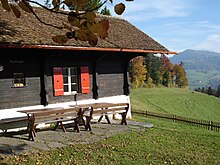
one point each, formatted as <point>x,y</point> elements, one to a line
<point>177,24</point>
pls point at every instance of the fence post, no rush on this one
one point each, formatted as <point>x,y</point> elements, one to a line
<point>174,118</point>
<point>211,125</point>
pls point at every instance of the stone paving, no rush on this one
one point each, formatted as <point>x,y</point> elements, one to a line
<point>16,144</point>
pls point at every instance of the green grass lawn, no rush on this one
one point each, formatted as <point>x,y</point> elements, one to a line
<point>175,101</point>
<point>165,143</point>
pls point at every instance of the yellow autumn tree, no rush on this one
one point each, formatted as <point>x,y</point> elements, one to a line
<point>137,72</point>
<point>181,78</point>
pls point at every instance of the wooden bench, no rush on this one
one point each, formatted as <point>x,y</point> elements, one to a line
<point>105,109</point>
<point>11,123</point>
<point>57,116</point>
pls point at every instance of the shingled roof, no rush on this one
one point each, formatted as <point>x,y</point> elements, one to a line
<point>27,30</point>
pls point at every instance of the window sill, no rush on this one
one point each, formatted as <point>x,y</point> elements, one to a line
<point>68,94</point>
<point>19,86</point>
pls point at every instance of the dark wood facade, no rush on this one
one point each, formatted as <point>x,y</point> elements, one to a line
<point>33,68</point>
<point>107,75</point>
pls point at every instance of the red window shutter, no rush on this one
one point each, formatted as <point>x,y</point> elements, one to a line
<point>85,79</point>
<point>58,81</point>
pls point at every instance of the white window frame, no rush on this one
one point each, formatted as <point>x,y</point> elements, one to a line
<point>69,81</point>
<point>18,80</point>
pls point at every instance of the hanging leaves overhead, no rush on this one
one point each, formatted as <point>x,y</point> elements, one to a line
<point>16,12</point>
<point>81,22</point>
<point>25,6</point>
<point>5,5</point>
<point>119,8</point>
<point>60,39</point>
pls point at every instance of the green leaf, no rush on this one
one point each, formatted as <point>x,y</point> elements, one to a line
<point>25,6</point>
<point>5,5</point>
<point>73,20</point>
<point>82,34</point>
<point>119,8</point>
<point>60,39</point>
<point>16,12</point>
<point>92,38</point>
<point>102,28</point>
<point>89,16</point>
<point>92,27</point>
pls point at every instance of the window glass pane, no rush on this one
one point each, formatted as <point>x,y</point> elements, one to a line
<point>73,79</point>
<point>70,79</point>
<point>18,79</point>
<point>73,71</point>
<point>73,88</point>
<point>66,88</point>
<point>65,80</point>
<point>65,71</point>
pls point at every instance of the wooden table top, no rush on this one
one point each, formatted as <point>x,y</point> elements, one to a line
<point>39,110</point>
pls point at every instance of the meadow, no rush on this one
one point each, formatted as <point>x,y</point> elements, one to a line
<point>182,102</point>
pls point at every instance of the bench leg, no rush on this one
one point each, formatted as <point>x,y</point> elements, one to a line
<point>88,124</point>
<point>76,125</point>
<point>32,133</point>
<point>123,120</point>
<point>107,118</point>
<point>100,118</point>
<point>31,128</point>
<point>60,123</point>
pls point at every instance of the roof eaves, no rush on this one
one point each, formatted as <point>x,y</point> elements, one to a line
<point>53,47</point>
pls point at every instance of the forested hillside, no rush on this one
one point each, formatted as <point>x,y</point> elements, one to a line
<point>154,71</point>
<point>202,67</point>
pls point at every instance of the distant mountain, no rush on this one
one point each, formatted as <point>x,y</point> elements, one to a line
<point>202,67</point>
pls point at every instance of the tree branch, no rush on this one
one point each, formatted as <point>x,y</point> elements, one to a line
<point>38,18</point>
<point>56,12</point>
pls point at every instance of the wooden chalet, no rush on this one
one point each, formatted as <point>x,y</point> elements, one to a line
<point>35,71</point>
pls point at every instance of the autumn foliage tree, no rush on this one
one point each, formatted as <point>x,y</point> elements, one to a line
<point>81,20</point>
<point>167,71</point>
<point>159,72</point>
<point>137,72</point>
<point>180,74</point>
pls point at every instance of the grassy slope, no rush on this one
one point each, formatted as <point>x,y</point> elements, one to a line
<point>194,75</point>
<point>180,102</point>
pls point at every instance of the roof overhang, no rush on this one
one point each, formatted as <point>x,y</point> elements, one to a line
<point>53,47</point>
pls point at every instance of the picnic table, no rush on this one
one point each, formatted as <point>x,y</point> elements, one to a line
<point>52,115</point>
<point>104,110</point>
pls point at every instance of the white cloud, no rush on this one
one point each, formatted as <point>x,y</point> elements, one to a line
<point>143,10</point>
<point>214,37</point>
<point>211,43</point>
